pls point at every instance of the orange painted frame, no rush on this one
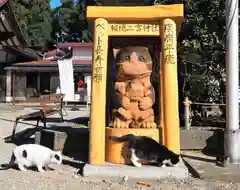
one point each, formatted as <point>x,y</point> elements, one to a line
<point>165,14</point>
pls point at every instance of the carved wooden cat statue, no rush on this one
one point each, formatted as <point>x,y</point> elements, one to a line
<point>134,91</point>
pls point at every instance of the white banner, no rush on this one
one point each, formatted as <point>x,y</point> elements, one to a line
<point>88,81</point>
<point>66,79</point>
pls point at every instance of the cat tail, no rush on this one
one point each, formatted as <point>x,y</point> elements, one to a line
<point>129,137</point>
<point>10,164</point>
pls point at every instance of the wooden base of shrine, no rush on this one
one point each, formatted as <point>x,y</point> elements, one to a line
<point>118,153</point>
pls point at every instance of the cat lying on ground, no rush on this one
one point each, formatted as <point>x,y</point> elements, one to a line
<point>146,149</point>
<point>29,155</point>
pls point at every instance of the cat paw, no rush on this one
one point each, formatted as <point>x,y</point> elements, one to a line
<point>163,166</point>
<point>40,169</point>
<point>22,168</point>
<point>120,124</point>
<point>137,164</point>
<point>116,123</point>
<point>148,125</point>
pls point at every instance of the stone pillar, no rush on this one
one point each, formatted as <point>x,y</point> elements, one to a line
<point>98,106</point>
<point>8,86</point>
<point>170,85</point>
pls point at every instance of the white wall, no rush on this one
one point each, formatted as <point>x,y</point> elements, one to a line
<point>82,53</point>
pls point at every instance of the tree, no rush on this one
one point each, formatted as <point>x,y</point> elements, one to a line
<point>70,22</point>
<point>201,49</point>
<point>35,20</point>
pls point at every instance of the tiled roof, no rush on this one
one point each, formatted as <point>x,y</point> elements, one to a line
<point>38,62</point>
<point>52,52</point>
<point>51,62</point>
<point>82,62</point>
<point>55,52</point>
<point>74,44</point>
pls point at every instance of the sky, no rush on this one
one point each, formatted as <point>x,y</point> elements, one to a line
<point>55,3</point>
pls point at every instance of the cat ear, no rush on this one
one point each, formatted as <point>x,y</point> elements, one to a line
<point>115,52</point>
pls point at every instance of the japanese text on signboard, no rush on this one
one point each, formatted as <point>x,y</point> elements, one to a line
<point>99,50</point>
<point>169,48</point>
<point>135,27</point>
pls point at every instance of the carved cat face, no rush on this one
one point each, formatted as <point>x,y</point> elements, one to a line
<point>133,61</point>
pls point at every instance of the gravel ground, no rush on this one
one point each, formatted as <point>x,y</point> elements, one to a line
<point>63,178</point>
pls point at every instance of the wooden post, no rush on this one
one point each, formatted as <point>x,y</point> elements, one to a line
<point>98,99</point>
<point>14,83</point>
<point>39,82</point>
<point>170,85</point>
<point>187,113</point>
<point>9,86</point>
<point>161,100</point>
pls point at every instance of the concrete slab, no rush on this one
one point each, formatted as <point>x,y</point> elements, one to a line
<point>145,172</point>
<point>203,138</point>
<point>68,139</point>
<point>205,167</point>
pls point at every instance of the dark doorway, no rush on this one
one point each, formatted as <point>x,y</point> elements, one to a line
<point>2,88</point>
<point>31,80</point>
<point>32,88</point>
<point>44,82</point>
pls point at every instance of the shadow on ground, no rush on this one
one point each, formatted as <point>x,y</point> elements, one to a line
<point>215,144</point>
<point>198,158</point>
<point>209,140</point>
<point>73,141</point>
<point>191,169</point>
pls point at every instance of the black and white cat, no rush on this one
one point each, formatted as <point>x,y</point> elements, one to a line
<point>29,155</point>
<point>144,148</point>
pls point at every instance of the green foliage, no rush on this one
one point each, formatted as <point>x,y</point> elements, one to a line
<point>201,49</point>
<point>45,27</point>
<point>70,23</point>
<point>34,18</point>
<point>201,42</point>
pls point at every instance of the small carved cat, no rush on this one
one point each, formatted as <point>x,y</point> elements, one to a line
<point>29,155</point>
<point>134,91</point>
<point>147,150</point>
